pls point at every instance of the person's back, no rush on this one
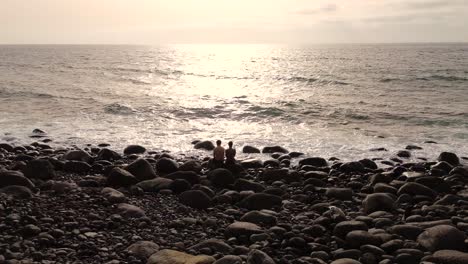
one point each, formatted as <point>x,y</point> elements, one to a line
<point>230,154</point>
<point>218,154</point>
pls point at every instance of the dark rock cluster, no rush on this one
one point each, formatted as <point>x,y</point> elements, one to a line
<point>95,205</point>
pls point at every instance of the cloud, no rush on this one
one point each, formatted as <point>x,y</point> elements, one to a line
<point>330,8</point>
<point>433,4</point>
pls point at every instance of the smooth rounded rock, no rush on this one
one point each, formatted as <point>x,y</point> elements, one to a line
<point>442,237</point>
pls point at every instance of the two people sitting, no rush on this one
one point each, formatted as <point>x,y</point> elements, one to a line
<point>219,153</point>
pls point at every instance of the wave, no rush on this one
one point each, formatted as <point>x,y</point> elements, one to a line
<point>6,93</point>
<point>119,109</point>
<point>449,78</point>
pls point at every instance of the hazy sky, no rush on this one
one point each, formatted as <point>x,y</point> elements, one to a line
<point>232,21</point>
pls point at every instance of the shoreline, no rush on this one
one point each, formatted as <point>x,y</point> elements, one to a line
<point>96,205</point>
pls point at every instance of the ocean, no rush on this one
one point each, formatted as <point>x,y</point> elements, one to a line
<point>323,100</point>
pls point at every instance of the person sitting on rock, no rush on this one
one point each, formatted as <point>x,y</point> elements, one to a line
<point>218,155</point>
<point>230,155</point>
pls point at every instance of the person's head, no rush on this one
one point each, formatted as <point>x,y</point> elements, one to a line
<point>218,142</point>
<point>230,144</point>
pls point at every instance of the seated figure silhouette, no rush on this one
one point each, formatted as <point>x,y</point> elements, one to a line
<point>218,155</point>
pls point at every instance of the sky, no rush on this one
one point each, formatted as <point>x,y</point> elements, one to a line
<point>232,21</point>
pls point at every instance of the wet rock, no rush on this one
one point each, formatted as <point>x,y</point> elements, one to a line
<point>407,231</point>
<point>252,164</point>
<point>343,228</point>
<point>130,211</point>
<point>17,191</point>
<point>107,154</point>
<point>189,176</point>
<point>403,154</point>
<point>313,161</point>
<point>30,230</point>
<point>345,261</point>
<point>370,164</point>
<point>166,166</point>
<point>442,237</point>
<point>358,238</point>
<point>238,229</point>
<point>195,199</point>
<point>259,218</point>
<point>229,259</point>
<point>215,245</point>
<point>113,196</point>
<point>259,257</point>
<point>7,147</point>
<point>259,201</point>
<point>450,158</point>
<point>168,256</point>
<point>449,257</point>
<point>191,165</point>
<point>143,249</point>
<point>120,178</point>
<point>221,178</point>
<point>141,169</point>
<point>250,149</point>
<point>206,145</point>
<point>134,149</point>
<point>274,149</point>
<point>352,167</point>
<point>246,185</point>
<point>413,188</point>
<point>77,155</point>
<point>340,193</point>
<point>39,169</point>
<point>76,166</point>
<point>378,202</point>
<point>179,186</point>
<point>8,178</point>
<point>155,185</point>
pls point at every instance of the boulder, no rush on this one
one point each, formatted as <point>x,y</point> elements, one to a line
<point>17,191</point>
<point>107,154</point>
<point>229,259</point>
<point>250,150</point>
<point>273,175</point>
<point>339,193</point>
<point>7,147</point>
<point>120,178</point>
<point>141,169</point>
<point>169,256</point>
<point>246,185</point>
<point>39,169</point>
<point>343,228</point>
<point>449,257</point>
<point>191,165</point>
<point>143,249</point>
<point>370,164</point>
<point>407,231</point>
<point>238,229</point>
<point>8,178</point>
<point>77,155</point>
<point>274,149</point>
<point>221,178</point>
<point>352,167</point>
<point>178,186</point>
<point>166,166</point>
<point>134,149</point>
<point>345,261</point>
<point>251,164</point>
<point>76,166</point>
<point>206,145</point>
<point>450,158</point>
<point>378,202</point>
<point>259,218</point>
<point>155,185</point>
<point>313,161</point>
<point>358,238</point>
<point>113,196</point>
<point>189,176</point>
<point>260,201</point>
<point>130,211</point>
<point>442,237</point>
<point>215,245</point>
<point>195,199</point>
<point>259,257</point>
<point>413,188</point>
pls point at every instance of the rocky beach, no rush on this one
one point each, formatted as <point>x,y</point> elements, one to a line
<point>99,205</point>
